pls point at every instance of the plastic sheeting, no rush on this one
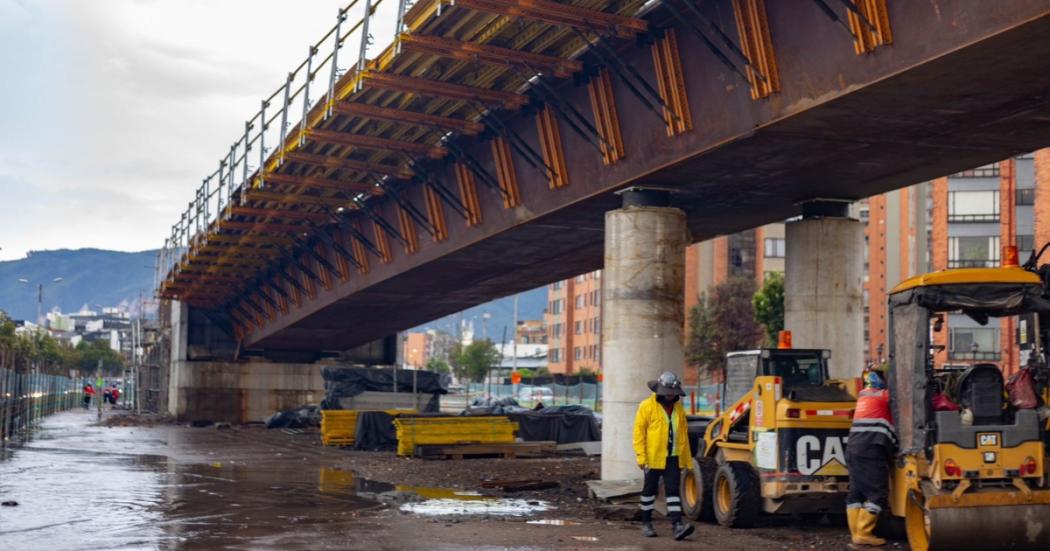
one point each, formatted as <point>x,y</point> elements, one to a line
<point>306,416</point>
<point>561,424</point>
<point>375,431</point>
<point>345,382</point>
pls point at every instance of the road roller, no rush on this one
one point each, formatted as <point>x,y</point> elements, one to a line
<point>971,471</point>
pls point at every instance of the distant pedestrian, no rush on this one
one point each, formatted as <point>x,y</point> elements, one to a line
<point>114,394</point>
<point>89,391</point>
<point>661,445</point>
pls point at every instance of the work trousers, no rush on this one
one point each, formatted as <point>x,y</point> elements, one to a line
<point>671,475</point>
<point>869,480</point>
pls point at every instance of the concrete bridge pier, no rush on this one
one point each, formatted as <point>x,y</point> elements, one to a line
<point>212,379</point>
<point>824,284</point>
<point>643,292</point>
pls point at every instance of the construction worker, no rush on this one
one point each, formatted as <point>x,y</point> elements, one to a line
<point>661,445</point>
<point>869,450</point>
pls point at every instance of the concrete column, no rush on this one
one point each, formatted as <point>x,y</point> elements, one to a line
<point>180,325</point>
<point>823,289</point>
<point>642,285</point>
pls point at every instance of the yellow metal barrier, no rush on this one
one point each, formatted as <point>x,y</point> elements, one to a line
<point>420,431</point>
<point>338,426</point>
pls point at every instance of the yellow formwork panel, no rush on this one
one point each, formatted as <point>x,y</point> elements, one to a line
<point>421,431</point>
<point>338,426</point>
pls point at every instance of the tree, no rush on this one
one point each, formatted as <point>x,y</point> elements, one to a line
<point>475,360</point>
<point>86,358</point>
<point>768,305</point>
<point>437,365</point>
<point>721,322</point>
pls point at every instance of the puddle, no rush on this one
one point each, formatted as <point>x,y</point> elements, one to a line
<point>500,507</point>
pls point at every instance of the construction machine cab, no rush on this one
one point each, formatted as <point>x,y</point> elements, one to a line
<point>975,475</point>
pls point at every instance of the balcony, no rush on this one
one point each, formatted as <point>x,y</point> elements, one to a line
<point>966,355</point>
<point>986,171</point>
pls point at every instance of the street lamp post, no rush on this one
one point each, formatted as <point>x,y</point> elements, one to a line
<point>39,298</point>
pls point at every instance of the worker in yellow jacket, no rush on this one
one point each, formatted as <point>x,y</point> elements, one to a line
<point>661,444</point>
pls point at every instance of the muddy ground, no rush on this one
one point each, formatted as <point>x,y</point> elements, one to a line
<point>150,484</point>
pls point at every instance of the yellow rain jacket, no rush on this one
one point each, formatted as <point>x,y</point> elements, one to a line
<point>650,434</point>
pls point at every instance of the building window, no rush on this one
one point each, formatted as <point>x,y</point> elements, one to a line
<point>1026,196</point>
<point>579,279</point>
<point>974,343</point>
<point>1025,243</point>
<point>973,252</point>
<point>776,247</point>
<point>577,353</point>
<point>578,327</point>
<point>986,171</point>
<point>555,355</point>
<point>973,206</point>
<point>581,300</point>
<point>556,330</point>
<point>557,306</point>
<point>558,285</point>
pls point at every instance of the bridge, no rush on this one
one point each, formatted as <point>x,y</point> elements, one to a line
<point>479,153</point>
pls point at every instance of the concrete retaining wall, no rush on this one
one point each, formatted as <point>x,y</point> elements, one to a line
<point>241,392</point>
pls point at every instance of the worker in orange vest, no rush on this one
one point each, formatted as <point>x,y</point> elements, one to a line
<point>871,446</point>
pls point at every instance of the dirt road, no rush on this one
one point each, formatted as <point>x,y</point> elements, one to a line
<point>79,486</point>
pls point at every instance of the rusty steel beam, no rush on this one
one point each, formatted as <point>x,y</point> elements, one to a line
<point>347,164</point>
<point>374,142</point>
<point>493,55</point>
<point>427,87</point>
<point>318,182</point>
<point>279,213</point>
<point>561,14</point>
<point>263,226</point>
<point>367,111</point>
<point>296,199</point>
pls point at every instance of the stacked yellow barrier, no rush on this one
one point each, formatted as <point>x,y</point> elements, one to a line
<point>423,431</point>
<point>338,426</point>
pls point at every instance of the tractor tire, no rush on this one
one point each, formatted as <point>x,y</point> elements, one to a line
<point>697,488</point>
<point>737,495</point>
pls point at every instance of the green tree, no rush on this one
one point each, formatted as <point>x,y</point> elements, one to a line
<point>437,365</point>
<point>526,373</point>
<point>475,360</point>
<point>721,322</point>
<point>768,305</point>
<point>86,357</point>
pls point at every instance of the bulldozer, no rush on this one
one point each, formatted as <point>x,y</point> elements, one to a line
<point>971,474</point>
<point>779,444</point>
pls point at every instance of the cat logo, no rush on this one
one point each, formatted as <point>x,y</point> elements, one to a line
<point>821,456</point>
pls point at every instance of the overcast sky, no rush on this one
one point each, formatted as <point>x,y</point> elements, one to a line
<point>112,111</point>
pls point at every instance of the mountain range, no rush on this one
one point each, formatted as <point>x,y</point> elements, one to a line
<point>94,277</point>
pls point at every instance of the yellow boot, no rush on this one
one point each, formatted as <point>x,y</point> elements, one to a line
<point>851,520</point>
<point>865,532</point>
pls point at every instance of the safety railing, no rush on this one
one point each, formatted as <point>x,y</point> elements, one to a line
<point>25,398</point>
<point>270,131</point>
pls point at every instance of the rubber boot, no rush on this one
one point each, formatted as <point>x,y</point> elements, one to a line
<point>865,534</point>
<point>648,530</point>
<point>681,530</point>
<point>851,520</point>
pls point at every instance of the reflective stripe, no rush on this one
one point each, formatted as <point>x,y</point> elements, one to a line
<point>879,422</point>
<point>647,507</point>
<point>872,508</point>
<point>674,509</point>
<point>674,499</point>
<point>878,430</point>
<point>854,505</point>
<point>648,499</point>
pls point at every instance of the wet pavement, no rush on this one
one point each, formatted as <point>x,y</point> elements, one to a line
<point>79,486</point>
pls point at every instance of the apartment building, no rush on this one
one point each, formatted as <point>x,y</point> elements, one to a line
<point>961,220</point>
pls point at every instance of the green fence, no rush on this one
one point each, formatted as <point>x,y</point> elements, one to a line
<point>26,398</point>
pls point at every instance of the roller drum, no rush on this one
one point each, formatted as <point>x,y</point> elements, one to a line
<point>1007,527</point>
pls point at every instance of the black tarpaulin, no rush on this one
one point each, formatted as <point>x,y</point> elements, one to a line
<point>375,431</point>
<point>563,428</point>
<point>345,382</point>
<point>976,299</point>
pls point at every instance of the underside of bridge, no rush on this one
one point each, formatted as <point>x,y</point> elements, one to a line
<point>521,169</point>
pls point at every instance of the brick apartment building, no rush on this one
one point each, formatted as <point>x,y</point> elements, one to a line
<point>961,220</point>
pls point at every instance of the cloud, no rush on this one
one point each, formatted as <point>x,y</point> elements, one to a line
<point>120,107</point>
